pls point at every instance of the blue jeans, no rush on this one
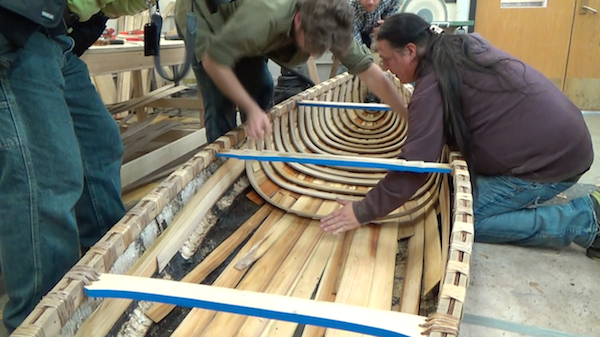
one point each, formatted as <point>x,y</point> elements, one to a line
<point>60,160</point>
<point>507,210</point>
<point>219,111</point>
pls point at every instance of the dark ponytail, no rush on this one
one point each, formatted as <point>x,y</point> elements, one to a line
<point>446,55</point>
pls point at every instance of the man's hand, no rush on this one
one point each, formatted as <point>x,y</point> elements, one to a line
<point>377,26</point>
<point>230,85</point>
<point>341,220</point>
<point>258,124</point>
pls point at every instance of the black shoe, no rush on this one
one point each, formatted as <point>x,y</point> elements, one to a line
<point>593,252</point>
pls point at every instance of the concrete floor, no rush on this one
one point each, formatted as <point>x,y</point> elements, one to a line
<point>529,289</point>
<point>540,288</point>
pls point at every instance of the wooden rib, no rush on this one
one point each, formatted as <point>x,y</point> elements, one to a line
<point>332,121</point>
<point>284,143</point>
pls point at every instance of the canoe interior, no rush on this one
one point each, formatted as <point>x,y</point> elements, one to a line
<point>254,226</point>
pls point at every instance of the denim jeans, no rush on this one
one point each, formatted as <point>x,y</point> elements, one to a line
<point>60,160</point>
<point>507,210</point>
<point>219,111</point>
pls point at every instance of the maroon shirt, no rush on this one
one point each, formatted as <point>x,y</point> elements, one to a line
<point>534,133</point>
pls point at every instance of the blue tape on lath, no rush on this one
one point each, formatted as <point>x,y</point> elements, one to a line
<point>248,311</point>
<point>328,162</point>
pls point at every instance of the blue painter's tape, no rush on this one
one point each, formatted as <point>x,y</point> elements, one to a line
<point>328,162</point>
<point>248,311</point>
<point>345,106</point>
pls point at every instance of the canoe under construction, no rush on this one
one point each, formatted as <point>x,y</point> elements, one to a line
<point>230,243</point>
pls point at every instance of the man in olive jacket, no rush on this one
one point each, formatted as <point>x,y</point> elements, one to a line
<point>232,46</point>
<point>60,149</point>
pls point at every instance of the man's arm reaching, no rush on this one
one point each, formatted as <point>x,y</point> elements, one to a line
<point>230,86</point>
<point>380,85</point>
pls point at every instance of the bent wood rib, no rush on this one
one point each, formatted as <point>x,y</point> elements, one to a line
<point>357,319</point>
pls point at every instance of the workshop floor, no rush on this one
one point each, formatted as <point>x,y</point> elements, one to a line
<point>534,288</point>
<point>540,288</point>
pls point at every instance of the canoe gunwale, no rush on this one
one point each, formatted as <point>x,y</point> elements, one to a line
<point>57,309</point>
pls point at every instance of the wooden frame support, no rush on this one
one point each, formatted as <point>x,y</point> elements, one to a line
<point>150,162</point>
<point>384,323</point>
<point>338,160</point>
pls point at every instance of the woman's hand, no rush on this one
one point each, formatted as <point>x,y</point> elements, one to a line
<point>341,220</point>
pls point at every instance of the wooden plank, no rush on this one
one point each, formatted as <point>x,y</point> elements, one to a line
<point>411,290</point>
<point>261,247</point>
<point>432,273</point>
<point>148,163</point>
<point>358,272</point>
<point>158,311</point>
<point>178,103</point>
<point>382,285</point>
<point>102,60</point>
<point>332,315</point>
<point>256,279</point>
<point>289,272</point>
<point>310,277</point>
<point>312,70</point>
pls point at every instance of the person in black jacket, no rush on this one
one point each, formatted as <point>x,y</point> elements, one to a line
<point>60,150</point>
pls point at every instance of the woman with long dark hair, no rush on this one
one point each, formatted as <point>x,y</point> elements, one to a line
<point>523,139</point>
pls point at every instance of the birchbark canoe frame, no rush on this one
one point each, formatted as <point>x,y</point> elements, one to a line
<point>162,224</point>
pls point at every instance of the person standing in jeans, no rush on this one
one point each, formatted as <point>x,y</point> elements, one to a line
<point>60,149</point>
<point>524,141</point>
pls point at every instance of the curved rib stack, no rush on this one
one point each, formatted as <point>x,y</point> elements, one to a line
<point>336,131</point>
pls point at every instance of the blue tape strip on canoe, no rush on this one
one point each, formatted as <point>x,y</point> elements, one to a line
<point>248,311</point>
<point>345,106</point>
<point>328,162</point>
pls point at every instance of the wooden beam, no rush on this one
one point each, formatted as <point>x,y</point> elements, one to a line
<point>148,163</point>
<point>111,59</point>
<point>338,160</point>
<point>363,320</point>
<point>178,103</point>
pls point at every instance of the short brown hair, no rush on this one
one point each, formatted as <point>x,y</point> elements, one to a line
<point>327,25</point>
